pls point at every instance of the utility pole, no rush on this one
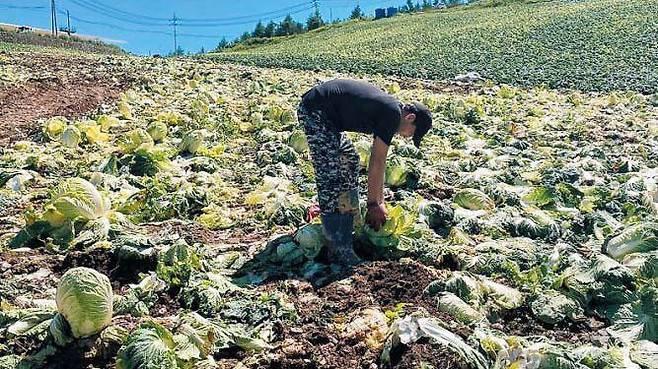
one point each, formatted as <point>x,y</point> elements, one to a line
<point>174,23</point>
<point>55,17</point>
<point>68,21</point>
<point>316,5</point>
<point>52,17</point>
<point>331,14</point>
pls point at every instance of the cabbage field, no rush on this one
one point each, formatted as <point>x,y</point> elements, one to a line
<point>591,45</point>
<point>168,228</point>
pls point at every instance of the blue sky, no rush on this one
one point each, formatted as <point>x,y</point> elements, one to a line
<point>141,26</point>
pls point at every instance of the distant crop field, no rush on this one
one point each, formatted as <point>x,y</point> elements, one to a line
<point>11,39</point>
<point>598,45</point>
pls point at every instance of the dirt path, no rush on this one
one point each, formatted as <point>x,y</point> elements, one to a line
<point>69,86</point>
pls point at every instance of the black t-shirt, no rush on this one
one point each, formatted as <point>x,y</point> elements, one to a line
<point>356,106</point>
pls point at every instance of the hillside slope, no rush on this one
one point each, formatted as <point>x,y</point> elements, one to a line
<point>589,45</point>
<point>12,39</point>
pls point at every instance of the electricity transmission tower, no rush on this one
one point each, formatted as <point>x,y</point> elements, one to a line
<point>174,24</point>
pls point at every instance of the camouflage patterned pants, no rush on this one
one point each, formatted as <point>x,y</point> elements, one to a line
<point>336,163</point>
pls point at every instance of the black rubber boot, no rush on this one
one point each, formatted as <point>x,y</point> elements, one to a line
<point>338,231</point>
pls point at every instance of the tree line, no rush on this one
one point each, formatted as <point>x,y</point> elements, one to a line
<point>288,26</point>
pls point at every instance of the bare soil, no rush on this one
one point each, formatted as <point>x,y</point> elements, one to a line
<point>316,342</point>
<point>521,322</point>
<point>60,86</point>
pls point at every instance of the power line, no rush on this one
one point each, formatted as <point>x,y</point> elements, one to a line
<point>124,16</point>
<point>126,29</point>
<point>106,7</point>
<point>18,7</point>
<point>101,11</point>
<point>263,15</point>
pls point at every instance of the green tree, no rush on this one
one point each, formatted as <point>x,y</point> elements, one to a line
<point>357,13</point>
<point>202,51</point>
<point>259,31</point>
<point>178,52</point>
<point>314,21</point>
<point>427,4</point>
<point>245,36</point>
<point>286,27</point>
<point>297,28</point>
<point>409,8</point>
<point>269,29</point>
<point>223,44</point>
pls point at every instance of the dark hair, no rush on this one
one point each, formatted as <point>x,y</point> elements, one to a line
<point>409,108</point>
<point>423,120</point>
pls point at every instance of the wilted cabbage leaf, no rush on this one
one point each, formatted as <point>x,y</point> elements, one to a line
<point>553,307</point>
<point>310,239</point>
<point>451,304</point>
<point>149,346</point>
<point>645,353</point>
<point>641,237</point>
<point>473,199</point>
<point>436,214</point>
<point>637,320</point>
<point>412,328</point>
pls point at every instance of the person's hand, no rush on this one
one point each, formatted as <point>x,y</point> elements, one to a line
<point>376,216</point>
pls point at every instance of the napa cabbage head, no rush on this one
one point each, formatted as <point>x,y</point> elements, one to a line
<point>84,299</point>
<point>298,142</point>
<point>75,199</point>
<point>396,173</point>
<point>71,137</point>
<point>54,127</point>
<point>133,140</point>
<point>157,130</point>
<point>642,237</point>
<point>192,142</point>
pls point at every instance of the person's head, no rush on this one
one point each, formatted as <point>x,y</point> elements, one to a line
<point>416,122</point>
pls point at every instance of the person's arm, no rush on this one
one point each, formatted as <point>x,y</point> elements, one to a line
<point>376,215</point>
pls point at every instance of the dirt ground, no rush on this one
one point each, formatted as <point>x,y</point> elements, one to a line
<point>316,340</point>
<point>66,86</point>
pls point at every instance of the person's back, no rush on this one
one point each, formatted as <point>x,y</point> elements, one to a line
<point>356,106</point>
